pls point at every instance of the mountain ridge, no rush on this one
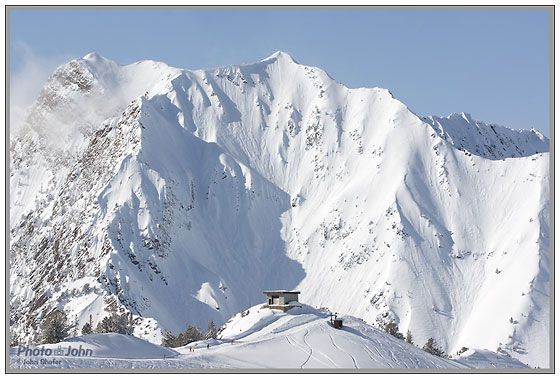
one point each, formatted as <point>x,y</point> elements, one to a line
<point>242,182</point>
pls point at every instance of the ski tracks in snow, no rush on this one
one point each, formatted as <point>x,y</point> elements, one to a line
<point>351,356</point>
<point>371,355</point>
<point>310,348</point>
<point>299,346</point>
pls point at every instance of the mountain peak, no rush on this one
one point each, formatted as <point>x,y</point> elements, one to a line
<point>98,64</point>
<point>458,116</point>
<point>93,56</point>
<point>280,56</point>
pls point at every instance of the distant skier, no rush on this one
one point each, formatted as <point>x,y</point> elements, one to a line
<point>207,346</point>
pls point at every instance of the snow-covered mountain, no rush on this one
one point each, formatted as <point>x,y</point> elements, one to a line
<point>182,195</point>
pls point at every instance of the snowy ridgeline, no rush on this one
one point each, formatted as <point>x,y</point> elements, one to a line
<point>182,195</point>
<point>262,338</point>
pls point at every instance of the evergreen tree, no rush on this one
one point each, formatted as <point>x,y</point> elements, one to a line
<point>192,334</point>
<point>55,328</point>
<point>432,348</point>
<point>123,324</point>
<point>87,329</point>
<point>390,328</point>
<point>116,323</point>
<point>393,330</point>
<point>180,340</point>
<point>104,326</point>
<point>428,346</point>
<point>409,336</point>
<point>169,340</point>
<point>75,326</point>
<point>211,333</point>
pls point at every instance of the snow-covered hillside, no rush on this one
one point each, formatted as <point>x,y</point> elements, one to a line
<point>182,195</point>
<point>265,338</point>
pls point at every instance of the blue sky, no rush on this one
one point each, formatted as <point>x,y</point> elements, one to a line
<point>493,64</point>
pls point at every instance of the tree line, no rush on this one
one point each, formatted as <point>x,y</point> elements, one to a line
<point>57,327</point>
<point>191,334</point>
<point>430,346</point>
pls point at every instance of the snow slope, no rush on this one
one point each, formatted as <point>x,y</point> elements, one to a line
<point>182,195</point>
<point>272,339</point>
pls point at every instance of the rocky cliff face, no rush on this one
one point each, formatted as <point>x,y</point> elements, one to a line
<point>182,195</point>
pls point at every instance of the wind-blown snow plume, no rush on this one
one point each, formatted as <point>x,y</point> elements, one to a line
<point>27,81</point>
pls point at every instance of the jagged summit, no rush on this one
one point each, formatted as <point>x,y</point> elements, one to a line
<point>466,116</point>
<point>487,140</point>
